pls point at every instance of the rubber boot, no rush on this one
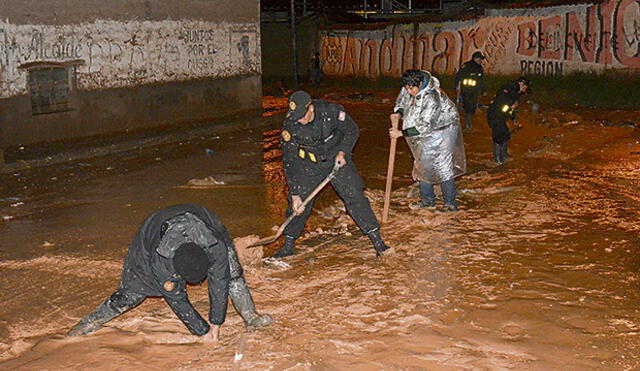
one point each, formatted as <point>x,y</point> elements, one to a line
<point>378,243</point>
<point>468,120</point>
<point>287,249</point>
<point>242,301</point>
<point>497,153</point>
<point>94,320</point>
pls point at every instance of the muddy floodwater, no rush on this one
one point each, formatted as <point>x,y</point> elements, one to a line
<point>539,270</point>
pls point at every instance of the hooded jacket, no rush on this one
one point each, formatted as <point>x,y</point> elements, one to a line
<point>431,126</point>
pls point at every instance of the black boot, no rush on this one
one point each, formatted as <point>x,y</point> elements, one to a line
<point>91,322</point>
<point>242,301</point>
<point>497,153</point>
<point>378,243</point>
<point>287,249</point>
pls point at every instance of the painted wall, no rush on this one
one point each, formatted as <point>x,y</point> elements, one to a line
<point>553,40</point>
<point>139,64</point>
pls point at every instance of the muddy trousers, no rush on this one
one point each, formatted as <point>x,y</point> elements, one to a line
<point>123,300</point>
<point>469,105</point>
<point>468,120</point>
<point>501,152</point>
<point>349,186</point>
<point>118,303</point>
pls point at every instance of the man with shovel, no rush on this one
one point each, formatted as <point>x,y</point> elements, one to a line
<point>173,246</point>
<point>316,137</point>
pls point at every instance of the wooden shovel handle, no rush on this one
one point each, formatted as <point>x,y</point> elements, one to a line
<point>387,191</point>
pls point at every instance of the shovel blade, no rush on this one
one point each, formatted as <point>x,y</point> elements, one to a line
<point>264,241</point>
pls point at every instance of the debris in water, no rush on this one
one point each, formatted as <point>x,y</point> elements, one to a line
<point>207,182</point>
<point>278,264</point>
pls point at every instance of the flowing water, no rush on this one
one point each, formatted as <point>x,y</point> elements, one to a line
<point>537,271</point>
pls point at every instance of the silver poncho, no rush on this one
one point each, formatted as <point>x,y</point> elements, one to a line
<point>438,151</point>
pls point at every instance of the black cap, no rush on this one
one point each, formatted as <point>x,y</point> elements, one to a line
<point>298,104</point>
<point>477,55</point>
<point>191,262</point>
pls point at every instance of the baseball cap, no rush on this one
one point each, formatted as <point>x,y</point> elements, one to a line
<point>477,55</point>
<point>298,103</point>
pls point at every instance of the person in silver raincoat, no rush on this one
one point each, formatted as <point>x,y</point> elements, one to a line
<point>431,126</point>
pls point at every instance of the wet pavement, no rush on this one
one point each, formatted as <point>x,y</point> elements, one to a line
<point>538,271</point>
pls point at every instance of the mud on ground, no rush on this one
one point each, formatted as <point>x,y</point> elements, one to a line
<point>537,271</point>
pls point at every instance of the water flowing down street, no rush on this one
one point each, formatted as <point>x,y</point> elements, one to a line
<point>539,270</point>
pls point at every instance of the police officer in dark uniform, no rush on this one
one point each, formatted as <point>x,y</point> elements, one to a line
<point>315,136</point>
<point>470,82</point>
<point>175,245</point>
<point>503,108</point>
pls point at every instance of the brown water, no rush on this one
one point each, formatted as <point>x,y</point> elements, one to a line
<point>538,271</point>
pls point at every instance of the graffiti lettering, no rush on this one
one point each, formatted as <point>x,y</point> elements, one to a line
<point>120,54</point>
<point>541,68</point>
<point>577,37</point>
<point>198,36</point>
<point>200,64</point>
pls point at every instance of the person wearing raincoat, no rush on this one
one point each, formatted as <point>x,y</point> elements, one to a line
<point>431,126</point>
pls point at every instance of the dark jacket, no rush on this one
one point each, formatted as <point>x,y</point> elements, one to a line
<point>316,144</point>
<point>506,96</point>
<point>147,272</point>
<point>499,111</point>
<point>471,70</point>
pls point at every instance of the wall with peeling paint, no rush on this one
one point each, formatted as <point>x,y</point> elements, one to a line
<point>179,64</point>
<point>543,41</point>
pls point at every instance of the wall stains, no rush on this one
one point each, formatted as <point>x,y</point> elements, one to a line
<point>123,54</point>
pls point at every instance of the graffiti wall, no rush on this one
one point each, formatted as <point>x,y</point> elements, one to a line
<point>541,41</point>
<point>113,54</point>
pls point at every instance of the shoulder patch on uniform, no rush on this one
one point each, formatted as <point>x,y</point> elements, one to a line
<point>342,115</point>
<point>286,135</point>
<point>169,286</point>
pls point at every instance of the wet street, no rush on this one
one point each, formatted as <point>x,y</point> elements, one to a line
<point>539,270</point>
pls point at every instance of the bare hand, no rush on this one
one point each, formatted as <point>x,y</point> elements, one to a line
<point>297,205</point>
<point>213,336</point>
<point>395,119</point>
<point>395,133</point>
<point>340,160</point>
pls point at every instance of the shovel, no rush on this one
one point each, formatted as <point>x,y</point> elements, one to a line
<point>270,239</point>
<point>387,189</point>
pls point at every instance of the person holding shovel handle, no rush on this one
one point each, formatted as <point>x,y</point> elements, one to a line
<point>316,137</point>
<point>431,126</point>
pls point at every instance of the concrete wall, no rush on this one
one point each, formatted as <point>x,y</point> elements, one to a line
<point>552,40</point>
<point>277,54</point>
<point>137,64</point>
